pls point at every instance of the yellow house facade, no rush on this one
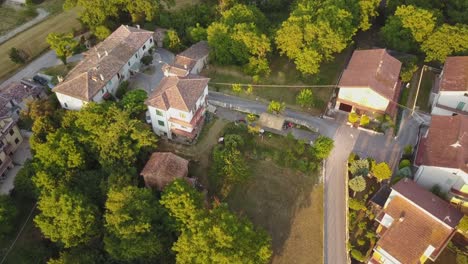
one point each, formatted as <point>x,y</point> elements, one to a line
<point>10,139</point>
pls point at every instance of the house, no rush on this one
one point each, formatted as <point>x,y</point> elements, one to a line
<point>104,67</point>
<point>370,83</point>
<point>177,106</point>
<point>15,96</point>
<point>163,168</point>
<point>442,158</point>
<point>10,139</point>
<point>452,95</point>
<point>194,58</point>
<point>414,225</point>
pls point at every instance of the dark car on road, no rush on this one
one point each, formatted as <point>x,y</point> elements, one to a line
<point>40,80</point>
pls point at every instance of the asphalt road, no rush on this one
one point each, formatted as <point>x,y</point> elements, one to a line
<point>46,60</point>
<point>346,139</point>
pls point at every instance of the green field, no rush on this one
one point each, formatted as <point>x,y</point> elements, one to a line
<point>33,40</point>
<point>425,91</point>
<point>13,17</point>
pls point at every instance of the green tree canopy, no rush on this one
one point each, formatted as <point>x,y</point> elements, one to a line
<point>134,101</point>
<point>359,167</point>
<point>357,184</point>
<point>63,44</point>
<point>133,221</point>
<point>172,41</point>
<point>67,217</point>
<point>445,41</point>
<point>322,147</point>
<point>78,255</point>
<point>305,98</point>
<point>381,171</point>
<point>276,107</point>
<point>7,215</point>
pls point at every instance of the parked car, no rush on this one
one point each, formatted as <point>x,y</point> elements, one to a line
<point>40,80</point>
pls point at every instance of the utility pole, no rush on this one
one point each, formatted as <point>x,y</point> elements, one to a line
<point>417,91</point>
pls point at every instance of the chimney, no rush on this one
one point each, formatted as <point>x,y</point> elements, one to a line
<point>185,66</point>
<point>60,79</point>
<point>101,76</point>
<point>106,53</point>
<point>98,55</point>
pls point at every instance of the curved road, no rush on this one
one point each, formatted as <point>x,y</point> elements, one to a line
<point>41,15</point>
<point>381,147</point>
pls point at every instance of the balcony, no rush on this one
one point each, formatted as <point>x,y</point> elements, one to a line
<point>195,119</point>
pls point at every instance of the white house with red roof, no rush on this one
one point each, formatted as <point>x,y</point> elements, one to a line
<point>452,95</point>
<point>370,83</point>
<point>104,67</point>
<point>442,158</point>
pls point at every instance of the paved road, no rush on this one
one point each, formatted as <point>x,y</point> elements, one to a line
<point>46,60</point>
<point>347,139</point>
<point>41,15</point>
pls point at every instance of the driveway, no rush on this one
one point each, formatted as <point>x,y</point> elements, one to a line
<point>46,60</point>
<point>149,79</point>
<point>19,157</point>
<point>346,139</point>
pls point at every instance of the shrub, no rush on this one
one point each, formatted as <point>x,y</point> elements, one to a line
<point>17,56</point>
<point>357,184</point>
<point>122,90</point>
<point>147,60</point>
<point>463,225</point>
<point>381,171</point>
<point>408,150</point>
<point>302,165</point>
<point>322,147</point>
<point>359,167</point>
<point>356,205</point>
<point>352,157</point>
<point>251,117</point>
<point>361,242</point>
<point>249,89</point>
<point>408,69</point>
<point>404,163</point>
<point>305,98</point>
<point>236,88</point>
<point>365,120</point>
<point>357,255</point>
<point>276,107</point>
<point>353,117</point>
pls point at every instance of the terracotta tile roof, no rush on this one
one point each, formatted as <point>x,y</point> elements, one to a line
<point>375,69</point>
<point>429,202</point>
<point>180,93</point>
<point>170,70</point>
<point>455,76</point>
<point>103,62</point>
<point>18,92</point>
<point>163,168</point>
<point>411,232</point>
<point>189,57</point>
<point>446,144</point>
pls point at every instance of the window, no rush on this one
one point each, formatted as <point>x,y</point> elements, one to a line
<point>12,132</point>
<point>144,47</point>
<point>161,123</point>
<point>66,106</point>
<point>466,94</point>
<point>159,113</point>
<point>460,106</point>
<point>151,40</point>
<point>102,91</point>
<point>128,63</point>
<point>1,162</point>
<point>182,115</point>
<point>16,140</point>
<point>136,55</point>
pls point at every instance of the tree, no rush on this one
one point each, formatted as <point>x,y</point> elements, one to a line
<point>23,183</point>
<point>357,184</point>
<point>353,117</point>
<point>445,41</point>
<point>63,44</point>
<point>456,11</point>
<point>463,225</point>
<point>17,56</point>
<point>67,217</point>
<point>381,171</point>
<point>101,32</point>
<point>322,147</point>
<point>368,11</point>
<point>276,107</point>
<point>133,222</point>
<point>134,101</point>
<point>408,69</point>
<point>172,41</point>
<point>7,215</point>
<point>236,88</point>
<point>78,255</point>
<point>356,205</point>
<point>249,89</point>
<point>420,22</point>
<point>231,239</point>
<point>305,98</point>
<point>197,33</point>
<point>359,167</point>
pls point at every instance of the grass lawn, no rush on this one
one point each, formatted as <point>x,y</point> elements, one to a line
<point>425,91</point>
<point>283,72</point>
<point>59,70</point>
<point>181,3</point>
<point>13,17</point>
<point>33,39</point>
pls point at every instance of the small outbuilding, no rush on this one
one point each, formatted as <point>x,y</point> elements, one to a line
<point>271,121</point>
<point>163,168</point>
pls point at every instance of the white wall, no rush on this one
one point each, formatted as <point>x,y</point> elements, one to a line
<point>69,102</point>
<point>365,97</point>
<point>449,99</point>
<point>198,67</point>
<point>159,130</point>
<point>428,176</point>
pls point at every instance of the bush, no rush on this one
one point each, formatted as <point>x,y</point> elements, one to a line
<point>276,107</point>
<point>408,150</point>
<point>359,167</point>
<point>404,163</point>
<point>356,205</point>
<point>122,90</point>
<point>365,120</point>
<point>236,88</point>
<point>353,118</point>
<point>17,56</point>
<point>361,242</point>
<point>357,255</point>
<point>147,60</point>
